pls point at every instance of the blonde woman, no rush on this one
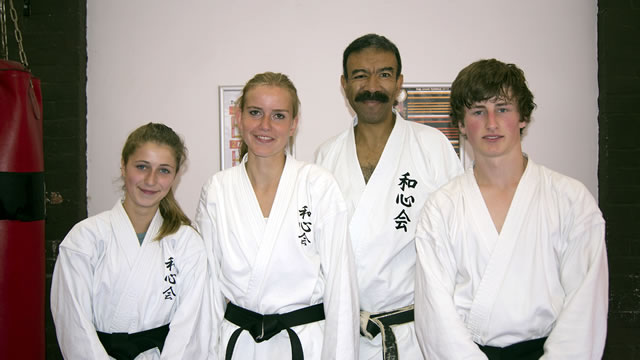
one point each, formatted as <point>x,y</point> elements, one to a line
<point>276,231</point>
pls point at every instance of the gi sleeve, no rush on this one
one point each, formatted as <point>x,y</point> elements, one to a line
<point>191,324</point>
<point>318,156</point>
<point>581,327</point>
<point>341,332</point>
<point>441,161</point>
<point>71,299</point>
<point>440,331</point>
<point>451,163</point>
<point>205,222</point>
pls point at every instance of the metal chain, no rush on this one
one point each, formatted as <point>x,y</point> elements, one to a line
<point>3,31</point>
<point>18,34</point>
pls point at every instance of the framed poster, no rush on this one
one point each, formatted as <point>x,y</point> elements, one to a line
<point>428,104</point>
<point>230,139</point>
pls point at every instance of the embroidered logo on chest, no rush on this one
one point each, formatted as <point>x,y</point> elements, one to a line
<point>305,225</point>
<point>404,198</point>
<point>170,279</point>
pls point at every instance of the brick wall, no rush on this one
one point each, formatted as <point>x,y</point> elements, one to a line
<point>619,168</point>
<point>54,36</point>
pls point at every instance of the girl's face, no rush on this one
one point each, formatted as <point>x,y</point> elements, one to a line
<point>266,121</point>
<point>148,176</point>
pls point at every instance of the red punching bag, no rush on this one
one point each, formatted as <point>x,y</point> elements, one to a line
<point>21,214</point>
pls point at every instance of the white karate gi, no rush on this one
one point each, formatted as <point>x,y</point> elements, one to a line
<point>105,280</point>
<point>383,245</point>
<point>299,256</point>
<point>544,274</point>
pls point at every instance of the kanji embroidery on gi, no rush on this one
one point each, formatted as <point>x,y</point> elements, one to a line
<point>170,279</point>
<point>305,226</point>
<point>402,198</point>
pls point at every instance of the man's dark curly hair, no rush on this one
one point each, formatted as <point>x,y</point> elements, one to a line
<point>486,79</point>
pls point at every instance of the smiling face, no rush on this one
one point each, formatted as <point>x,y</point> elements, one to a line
<point>372,84</point>
<point>266,121</point>
<point>148,176</point>
<point>493,128</point>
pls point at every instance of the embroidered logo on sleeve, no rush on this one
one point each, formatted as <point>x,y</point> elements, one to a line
<point>402,198</point>
<point>305,226</point>
<point>170,279</point>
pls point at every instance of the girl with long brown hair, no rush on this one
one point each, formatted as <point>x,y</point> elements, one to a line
<point>130,282</point>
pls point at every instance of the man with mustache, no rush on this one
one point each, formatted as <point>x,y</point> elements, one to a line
<point>385,166</point>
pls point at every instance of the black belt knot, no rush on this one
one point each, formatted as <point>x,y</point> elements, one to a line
<point>125,346</point>
<point>525,350</point>
<point>264,327</point>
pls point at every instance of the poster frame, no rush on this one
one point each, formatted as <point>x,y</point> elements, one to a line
<point>403,99</point>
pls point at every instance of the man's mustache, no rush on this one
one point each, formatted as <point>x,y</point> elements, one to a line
<point>375,96</point>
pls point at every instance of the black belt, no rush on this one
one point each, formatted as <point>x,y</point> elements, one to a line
<point>264,327</point>
<point>124,346</point>
<point>525,350</point>
<point>373,324</point>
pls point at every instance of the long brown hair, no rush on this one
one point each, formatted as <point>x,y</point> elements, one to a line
<point>172,214</point>
<point>269,79</point>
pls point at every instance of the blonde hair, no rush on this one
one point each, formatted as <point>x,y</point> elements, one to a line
<point>172,214</point>
<point>269,79</point>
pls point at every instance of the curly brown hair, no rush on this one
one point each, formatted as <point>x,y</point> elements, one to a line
<point>486,79</point>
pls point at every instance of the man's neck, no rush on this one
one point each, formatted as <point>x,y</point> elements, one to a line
<point>374,134</point>
<point>498,180</point>
<point>501,172</point>
<point>371,140</point>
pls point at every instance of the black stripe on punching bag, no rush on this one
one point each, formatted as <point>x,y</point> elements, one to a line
<point>22,196</point>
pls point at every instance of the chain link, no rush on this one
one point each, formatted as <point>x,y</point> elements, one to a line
<point>3,31</point>
<point>18,34</point>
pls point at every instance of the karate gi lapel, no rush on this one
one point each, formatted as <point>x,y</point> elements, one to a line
<point>285,191</point>
<point>380,181</point>
<point>141,261</point>
<point>356,183</point>
<point>125,235</point>
<point>253,217</point>
<point>502,253</point>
